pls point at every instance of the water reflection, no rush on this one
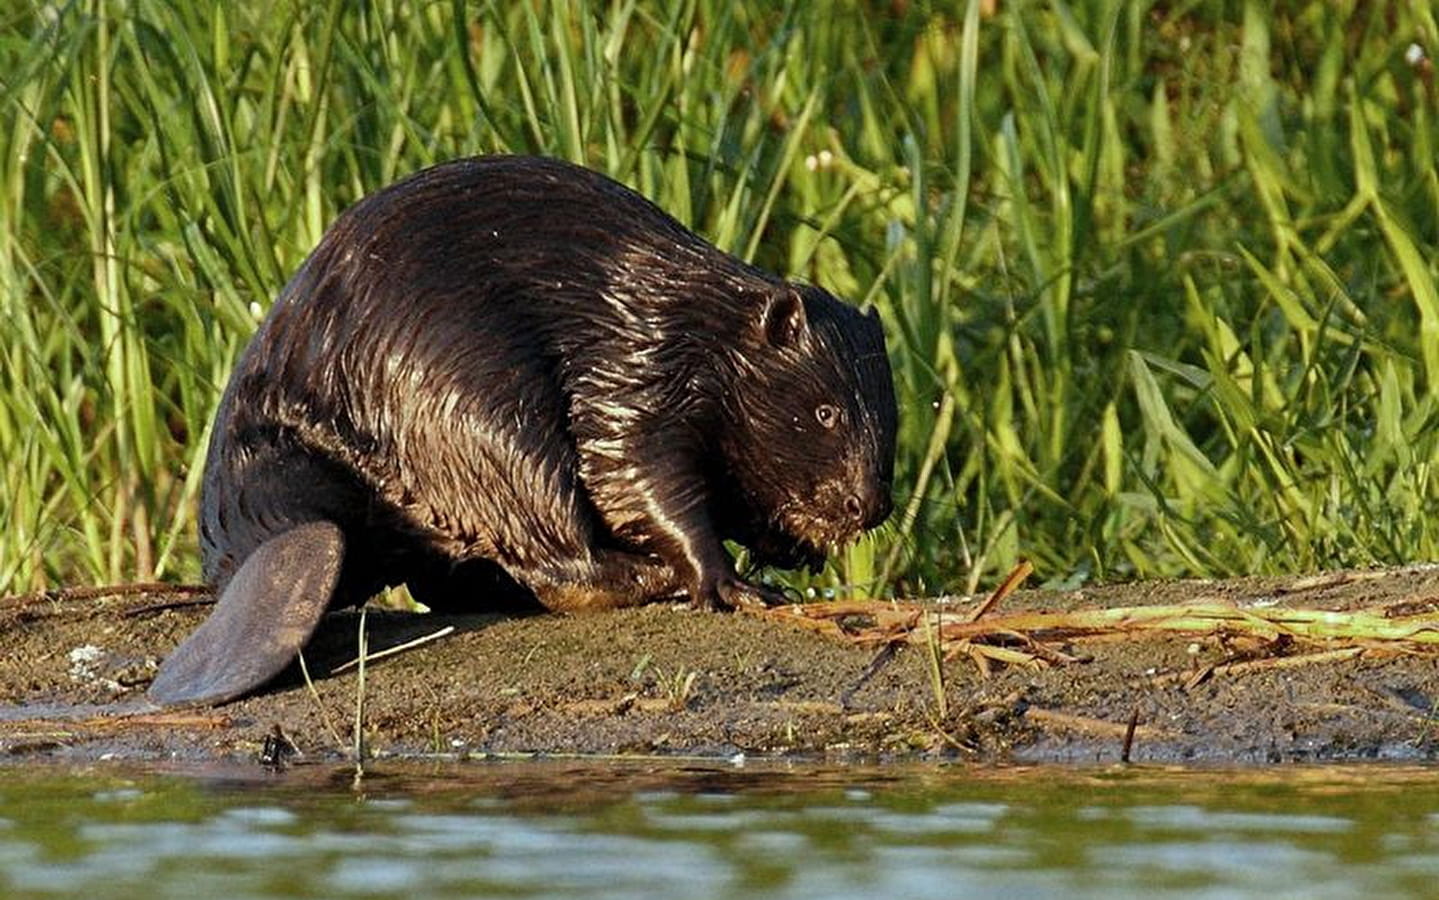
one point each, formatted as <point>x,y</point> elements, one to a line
<point>668,830</point>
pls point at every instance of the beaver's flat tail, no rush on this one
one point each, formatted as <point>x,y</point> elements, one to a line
<point>264,616</point>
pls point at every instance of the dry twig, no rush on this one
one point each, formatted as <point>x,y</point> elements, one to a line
<point>1035,639</point>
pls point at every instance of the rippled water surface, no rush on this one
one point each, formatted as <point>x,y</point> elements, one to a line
<point>673,829</point>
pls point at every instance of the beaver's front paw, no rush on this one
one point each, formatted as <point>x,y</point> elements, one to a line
<point>733,592</point>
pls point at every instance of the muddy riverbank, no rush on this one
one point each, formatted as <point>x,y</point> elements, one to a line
<point>667,680</point>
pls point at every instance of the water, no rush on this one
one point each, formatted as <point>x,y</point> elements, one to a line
<point>671,829</point>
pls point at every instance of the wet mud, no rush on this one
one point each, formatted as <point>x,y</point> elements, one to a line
<point>669,681</point>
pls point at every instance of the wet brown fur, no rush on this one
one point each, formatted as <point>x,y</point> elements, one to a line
<point>511,375</point>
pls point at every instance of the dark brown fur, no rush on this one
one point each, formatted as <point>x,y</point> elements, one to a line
<point>509,375</point>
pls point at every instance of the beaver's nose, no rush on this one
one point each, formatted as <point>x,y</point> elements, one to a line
<point>870,510</point>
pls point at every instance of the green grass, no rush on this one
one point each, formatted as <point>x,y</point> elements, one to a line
<point>1159,280</point>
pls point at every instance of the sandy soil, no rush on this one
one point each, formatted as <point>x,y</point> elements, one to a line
<point>670,681</point>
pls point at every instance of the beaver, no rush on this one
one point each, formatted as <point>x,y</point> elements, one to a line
<point>509,377</point>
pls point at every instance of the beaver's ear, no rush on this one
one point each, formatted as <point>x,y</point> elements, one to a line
<point>782,321</point>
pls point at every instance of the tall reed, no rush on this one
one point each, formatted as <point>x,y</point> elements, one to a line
<point>1160,281</point>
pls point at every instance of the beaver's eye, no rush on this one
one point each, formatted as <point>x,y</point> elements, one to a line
<point>827,415</point>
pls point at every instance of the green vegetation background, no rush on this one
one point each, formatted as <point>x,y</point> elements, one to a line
<point>1159,279</point>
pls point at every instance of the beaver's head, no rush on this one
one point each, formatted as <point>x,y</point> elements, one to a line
<point>811,426</point>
